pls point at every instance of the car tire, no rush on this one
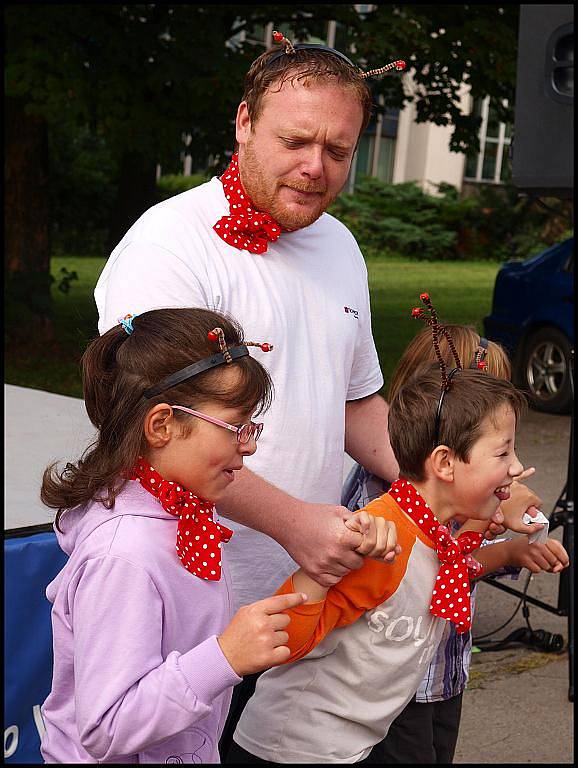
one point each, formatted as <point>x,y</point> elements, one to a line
<point>543,370</point>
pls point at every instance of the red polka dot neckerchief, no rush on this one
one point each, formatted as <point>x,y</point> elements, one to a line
<point>451,594</point>
<point>199,537</point>
<point>245,228</point>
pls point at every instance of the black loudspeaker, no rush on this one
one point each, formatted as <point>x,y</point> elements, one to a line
<point>543,145</point>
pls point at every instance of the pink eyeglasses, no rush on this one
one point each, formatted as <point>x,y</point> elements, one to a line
<point>244,433</point>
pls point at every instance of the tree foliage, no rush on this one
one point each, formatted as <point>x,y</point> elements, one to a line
<point>446,48</point>
<point>142,74</point>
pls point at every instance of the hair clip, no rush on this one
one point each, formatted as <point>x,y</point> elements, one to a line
<point>480,354</point>
<point>280,39</point>
<point>126,323</point>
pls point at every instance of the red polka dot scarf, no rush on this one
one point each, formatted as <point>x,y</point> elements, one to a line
<point>451,594</point>
<point>245,228</point>
<point>199,537</point>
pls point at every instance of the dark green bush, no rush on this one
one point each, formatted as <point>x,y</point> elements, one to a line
<point>175,183</point>
<point>401,219</point>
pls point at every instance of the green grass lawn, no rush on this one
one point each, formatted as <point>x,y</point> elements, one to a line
<point>461,292</point>
<point>55,367</point>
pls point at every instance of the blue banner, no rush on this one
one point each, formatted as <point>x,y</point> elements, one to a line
<point>30,564</point>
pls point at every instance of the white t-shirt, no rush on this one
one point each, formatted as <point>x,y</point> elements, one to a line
<point>308,296</point>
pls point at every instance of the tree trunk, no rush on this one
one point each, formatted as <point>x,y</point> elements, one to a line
<point>27,222</point>
<point>136,192</point>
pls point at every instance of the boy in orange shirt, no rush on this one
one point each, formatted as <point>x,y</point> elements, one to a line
<point>368,640</point>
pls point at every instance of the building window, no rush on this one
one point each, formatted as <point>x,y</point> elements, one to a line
<point>492,163</point>
<point>376,151</point>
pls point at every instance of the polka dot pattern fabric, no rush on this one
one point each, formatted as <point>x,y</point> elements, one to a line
<point>199,537</point>
<point>245,228</point>
<point>451,593</point>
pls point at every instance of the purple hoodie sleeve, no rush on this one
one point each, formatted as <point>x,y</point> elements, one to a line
<point>127,696</point>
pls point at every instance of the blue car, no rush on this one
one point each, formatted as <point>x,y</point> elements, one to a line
<point>532,317</point>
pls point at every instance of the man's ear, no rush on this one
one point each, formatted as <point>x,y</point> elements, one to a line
<point>442,463</point>
<point>159,425</point>
<point>242,124</point>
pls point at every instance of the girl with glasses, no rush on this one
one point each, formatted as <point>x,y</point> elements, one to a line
<point>146,649</point>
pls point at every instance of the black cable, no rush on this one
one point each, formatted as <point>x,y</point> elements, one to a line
<point>526,615</point>
<point>505,624</point>
<point>538,640</point>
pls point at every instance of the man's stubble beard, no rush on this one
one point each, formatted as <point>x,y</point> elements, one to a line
<point>264,194</point>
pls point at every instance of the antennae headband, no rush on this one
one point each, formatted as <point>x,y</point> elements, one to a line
<point>290,49</point>
<point>311,46</point>
<point>192,370</point>
<point>451,375</point>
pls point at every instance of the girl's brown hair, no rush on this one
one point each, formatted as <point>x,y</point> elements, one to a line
<point>310,66</point>
<point>420,353</point>
<point>473,396</point>
<point>116,370</point>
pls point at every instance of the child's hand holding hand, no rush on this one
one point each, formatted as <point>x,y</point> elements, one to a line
<point>255,638</point>
<point>549,556</point>
<point>379,537</point>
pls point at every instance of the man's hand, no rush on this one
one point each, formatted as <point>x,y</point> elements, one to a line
<point>379,536</point>
<point>326,548</point>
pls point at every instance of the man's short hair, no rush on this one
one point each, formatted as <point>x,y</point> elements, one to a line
<point>309,65</point>
<point>473,395</point>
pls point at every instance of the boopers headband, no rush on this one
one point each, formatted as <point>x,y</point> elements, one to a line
<point>226,355</point>
<point>430,317</point>
<point>289,49</point>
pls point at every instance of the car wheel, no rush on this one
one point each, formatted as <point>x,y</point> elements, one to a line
<point>544,370</point>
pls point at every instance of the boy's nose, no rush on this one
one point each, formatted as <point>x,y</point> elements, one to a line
<point>516,467</point>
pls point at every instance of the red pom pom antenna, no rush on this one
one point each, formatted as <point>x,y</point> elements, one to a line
<point>278,36</point>
<point>416,312</point>
<point>212,336</point>
<point>400,65</point>
<point>424,296</point>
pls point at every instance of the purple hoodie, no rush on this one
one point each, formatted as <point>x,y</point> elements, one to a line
<point>139,676</point>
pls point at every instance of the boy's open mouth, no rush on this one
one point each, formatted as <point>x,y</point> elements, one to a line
<point>503,492</point>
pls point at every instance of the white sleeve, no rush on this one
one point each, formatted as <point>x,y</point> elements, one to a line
<point>141,275</point>
<point>366,376</point>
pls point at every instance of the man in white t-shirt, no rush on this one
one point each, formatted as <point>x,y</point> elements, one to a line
<point>257,244</point>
